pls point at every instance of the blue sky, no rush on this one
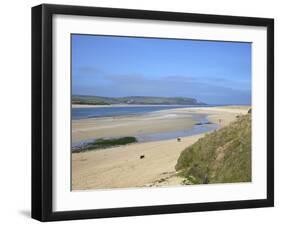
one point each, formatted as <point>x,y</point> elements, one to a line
<point>212,72</point>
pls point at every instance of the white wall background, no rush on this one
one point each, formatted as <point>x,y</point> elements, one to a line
<point>15,114</point>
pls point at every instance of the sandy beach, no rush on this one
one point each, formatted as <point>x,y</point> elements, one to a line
<point>122,167</point>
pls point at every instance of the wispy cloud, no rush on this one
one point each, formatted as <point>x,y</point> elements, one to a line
<point>206,89</point>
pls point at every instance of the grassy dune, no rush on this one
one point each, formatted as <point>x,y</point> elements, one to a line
<point>223,156</point>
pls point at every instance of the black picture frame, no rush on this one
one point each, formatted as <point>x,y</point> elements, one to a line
<point>42,111</point>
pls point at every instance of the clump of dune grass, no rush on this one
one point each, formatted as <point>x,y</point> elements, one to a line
<point>105,143</point>
<point>223,156</point>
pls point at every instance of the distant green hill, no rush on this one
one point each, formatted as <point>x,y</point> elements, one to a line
<point>98,100</point>
<point>223,156</point>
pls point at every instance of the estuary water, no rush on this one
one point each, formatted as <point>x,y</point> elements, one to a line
<point>110,111</point>
<point>202,125</point>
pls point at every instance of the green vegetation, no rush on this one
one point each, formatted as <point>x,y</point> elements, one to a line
<point>97,100</point>
<point>104,143</point>
<point>223,156</point>
<point>89,103</point>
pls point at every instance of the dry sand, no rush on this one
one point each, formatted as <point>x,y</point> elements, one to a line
<point>121,167</point>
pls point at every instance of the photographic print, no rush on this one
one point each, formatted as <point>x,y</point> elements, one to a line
<point>138,112</point>
<point>158,112</point>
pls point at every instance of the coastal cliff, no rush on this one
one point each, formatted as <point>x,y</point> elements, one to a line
<point>98,100</point>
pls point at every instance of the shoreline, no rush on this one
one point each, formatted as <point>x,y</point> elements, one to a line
<point>153,105</point>
<point>168,120</point>
<point>122,167</point>
<point>132,105</point>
